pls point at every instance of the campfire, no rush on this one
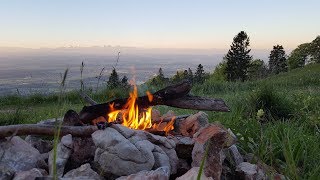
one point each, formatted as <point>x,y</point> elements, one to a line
<point>133,117</point>
<point>136,141</point>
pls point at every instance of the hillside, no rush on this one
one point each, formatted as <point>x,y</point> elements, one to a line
<point>277,118</point>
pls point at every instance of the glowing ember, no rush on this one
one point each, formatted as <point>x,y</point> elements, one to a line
<point>132,118</point>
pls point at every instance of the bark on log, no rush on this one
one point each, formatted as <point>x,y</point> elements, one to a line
<point>175,96</point>
<point>50,130</point>
<point>88,113</point>
<point>198,103</point>
<point>45,130</point>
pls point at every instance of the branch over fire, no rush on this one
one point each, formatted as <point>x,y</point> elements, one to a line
<point>175,96</point>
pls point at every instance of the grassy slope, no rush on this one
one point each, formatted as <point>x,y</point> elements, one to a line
<point>288,139</point>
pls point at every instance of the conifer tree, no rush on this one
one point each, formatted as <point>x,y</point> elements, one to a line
<point>238,58</point>
<point>199,75</point>
<point>113,81</point>
<point>278,60</point>
<point>160,75</point>
<point>124,82</point>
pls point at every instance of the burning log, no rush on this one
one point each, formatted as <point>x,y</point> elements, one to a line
<point>174,96</point>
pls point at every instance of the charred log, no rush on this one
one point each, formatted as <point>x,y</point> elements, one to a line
<point>174,96</point>
<point>88,113</point>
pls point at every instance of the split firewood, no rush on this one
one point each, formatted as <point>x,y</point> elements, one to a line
<point>174,96</point>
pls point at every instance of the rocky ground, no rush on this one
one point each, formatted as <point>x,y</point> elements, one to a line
<point>118,152</point>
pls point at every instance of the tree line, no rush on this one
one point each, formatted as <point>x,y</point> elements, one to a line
<point>198,77</point>
<point>237,64</point>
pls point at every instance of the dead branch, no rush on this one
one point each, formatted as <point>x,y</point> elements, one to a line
<point>175,96</point>
<point>45,130</point>
<point>50,130</point>
<point>87,98</point>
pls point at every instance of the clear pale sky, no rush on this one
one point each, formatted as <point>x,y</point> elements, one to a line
<point>157,24</point>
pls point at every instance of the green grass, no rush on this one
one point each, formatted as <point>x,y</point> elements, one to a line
<point>277,118</point>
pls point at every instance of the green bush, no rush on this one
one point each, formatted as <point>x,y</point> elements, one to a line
<point>272,104</point>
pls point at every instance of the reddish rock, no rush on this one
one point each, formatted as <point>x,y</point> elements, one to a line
<point>192,124</point>
<point>155,115</point>
<point>215,137</point>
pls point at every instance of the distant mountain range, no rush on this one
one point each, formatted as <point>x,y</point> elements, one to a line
<point>38,70</point>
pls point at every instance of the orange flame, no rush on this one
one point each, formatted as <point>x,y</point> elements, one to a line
<point>132,118</point>
<point>130,114</point>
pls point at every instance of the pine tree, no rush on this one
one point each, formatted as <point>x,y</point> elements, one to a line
<point>124,82</point>
<point>278,60</point>
<point>159,80</point>
<point>199,75</point>
<point>160,75</point>
<point>177,77</point>
<point>113,81</point>
<point>238,58</point>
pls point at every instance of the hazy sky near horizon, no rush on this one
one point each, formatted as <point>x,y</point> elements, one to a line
<point>157,24</point>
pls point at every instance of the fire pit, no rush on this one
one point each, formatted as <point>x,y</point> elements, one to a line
<point>136,141</point>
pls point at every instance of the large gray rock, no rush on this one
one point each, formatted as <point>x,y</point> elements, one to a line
<point>64,149</point>
<point>122,151</point>
<point>18,155</point>
<point>119,156</point>
<point>84,171</point>
<point>161,158</point>
<point>168,146</point>
<point>30,174</point>
<point>161,173</point>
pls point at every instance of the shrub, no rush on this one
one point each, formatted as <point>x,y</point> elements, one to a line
<point>273,105</point>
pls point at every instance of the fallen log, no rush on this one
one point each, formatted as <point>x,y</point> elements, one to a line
<point>174,96</point>
<point>45,130</point>
<point>51,130</point>
<point>198,103</point>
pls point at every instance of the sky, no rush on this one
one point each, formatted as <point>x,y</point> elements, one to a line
<point>157,24</point>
